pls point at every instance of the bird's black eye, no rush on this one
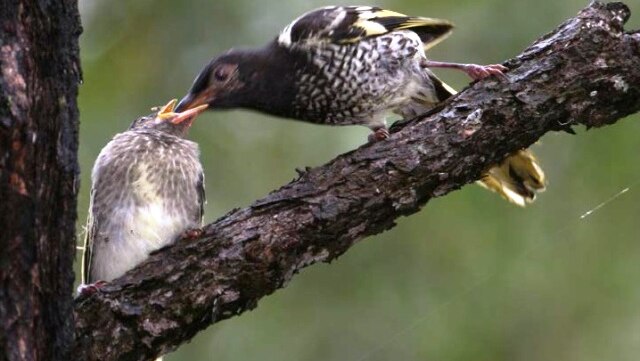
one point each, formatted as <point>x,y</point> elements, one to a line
<point>220,74</point>
<point>223,72</point>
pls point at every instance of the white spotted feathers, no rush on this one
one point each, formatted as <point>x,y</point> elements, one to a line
<point>361,63</point>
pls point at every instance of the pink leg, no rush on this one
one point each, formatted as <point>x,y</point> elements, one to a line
<point>475,71</point>
<point>191,233</point>
<point>379,134</point>
<point>88,290</point>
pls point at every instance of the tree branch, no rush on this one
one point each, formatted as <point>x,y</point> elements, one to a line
<point>585,72</point>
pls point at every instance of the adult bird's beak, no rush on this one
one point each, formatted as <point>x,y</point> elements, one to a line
<point>171,113</point>
<point>188,114</point>
<point>191,101</point>
<point>185,102</point>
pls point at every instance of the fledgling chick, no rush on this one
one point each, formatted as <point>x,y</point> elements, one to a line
<point>147,189</point>
<point>342,65</point>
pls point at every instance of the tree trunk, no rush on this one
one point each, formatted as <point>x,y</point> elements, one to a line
<point>39,78</point>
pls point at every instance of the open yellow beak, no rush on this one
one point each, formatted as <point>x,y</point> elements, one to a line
<point>167,112</point>
<point>168,108</point>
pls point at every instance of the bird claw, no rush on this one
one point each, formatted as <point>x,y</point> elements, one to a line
<point>478,72</point>
<point>191,234</point>
<point>378,135</point>
<point>90,289</point>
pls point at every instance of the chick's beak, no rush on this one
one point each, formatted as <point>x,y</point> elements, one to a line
<point>188,114</point>
<point>168,108</point>
<point>191,101</point>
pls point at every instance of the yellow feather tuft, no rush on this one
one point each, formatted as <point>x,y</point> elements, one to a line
<point>517,178</point>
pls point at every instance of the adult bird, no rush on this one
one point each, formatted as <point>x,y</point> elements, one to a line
<point>147,190</point>
<point>343,65</point>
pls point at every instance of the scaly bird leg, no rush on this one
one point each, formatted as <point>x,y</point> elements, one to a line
<point>88,290</point>
<point>191,234</point>
<point>378,134</point>
<point>475,71</point>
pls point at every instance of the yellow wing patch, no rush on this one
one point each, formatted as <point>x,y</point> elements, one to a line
<point>374,22</point>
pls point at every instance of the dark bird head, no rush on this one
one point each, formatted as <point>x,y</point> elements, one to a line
<point>259,79</point>
<point>167,121</point>
<point>218,83</point>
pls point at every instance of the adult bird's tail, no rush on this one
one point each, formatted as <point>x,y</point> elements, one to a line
<point>517,178</point>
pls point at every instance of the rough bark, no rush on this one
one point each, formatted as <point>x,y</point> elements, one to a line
<point>39,77</point>
<point>585,72</point>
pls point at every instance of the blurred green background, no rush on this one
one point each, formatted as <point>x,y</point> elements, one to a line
<point>470,277</point>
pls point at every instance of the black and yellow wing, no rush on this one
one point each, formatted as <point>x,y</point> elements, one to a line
<point>350,24</point>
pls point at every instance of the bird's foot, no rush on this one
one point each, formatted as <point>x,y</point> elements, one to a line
<point>191,234</point>
<point>378,135</point>
<point>88,290</point>
<point>475,71</point>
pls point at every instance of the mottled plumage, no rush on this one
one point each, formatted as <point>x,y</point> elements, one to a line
<point>340,65</point>
<point>147,188</point>
<point>335,65</point>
